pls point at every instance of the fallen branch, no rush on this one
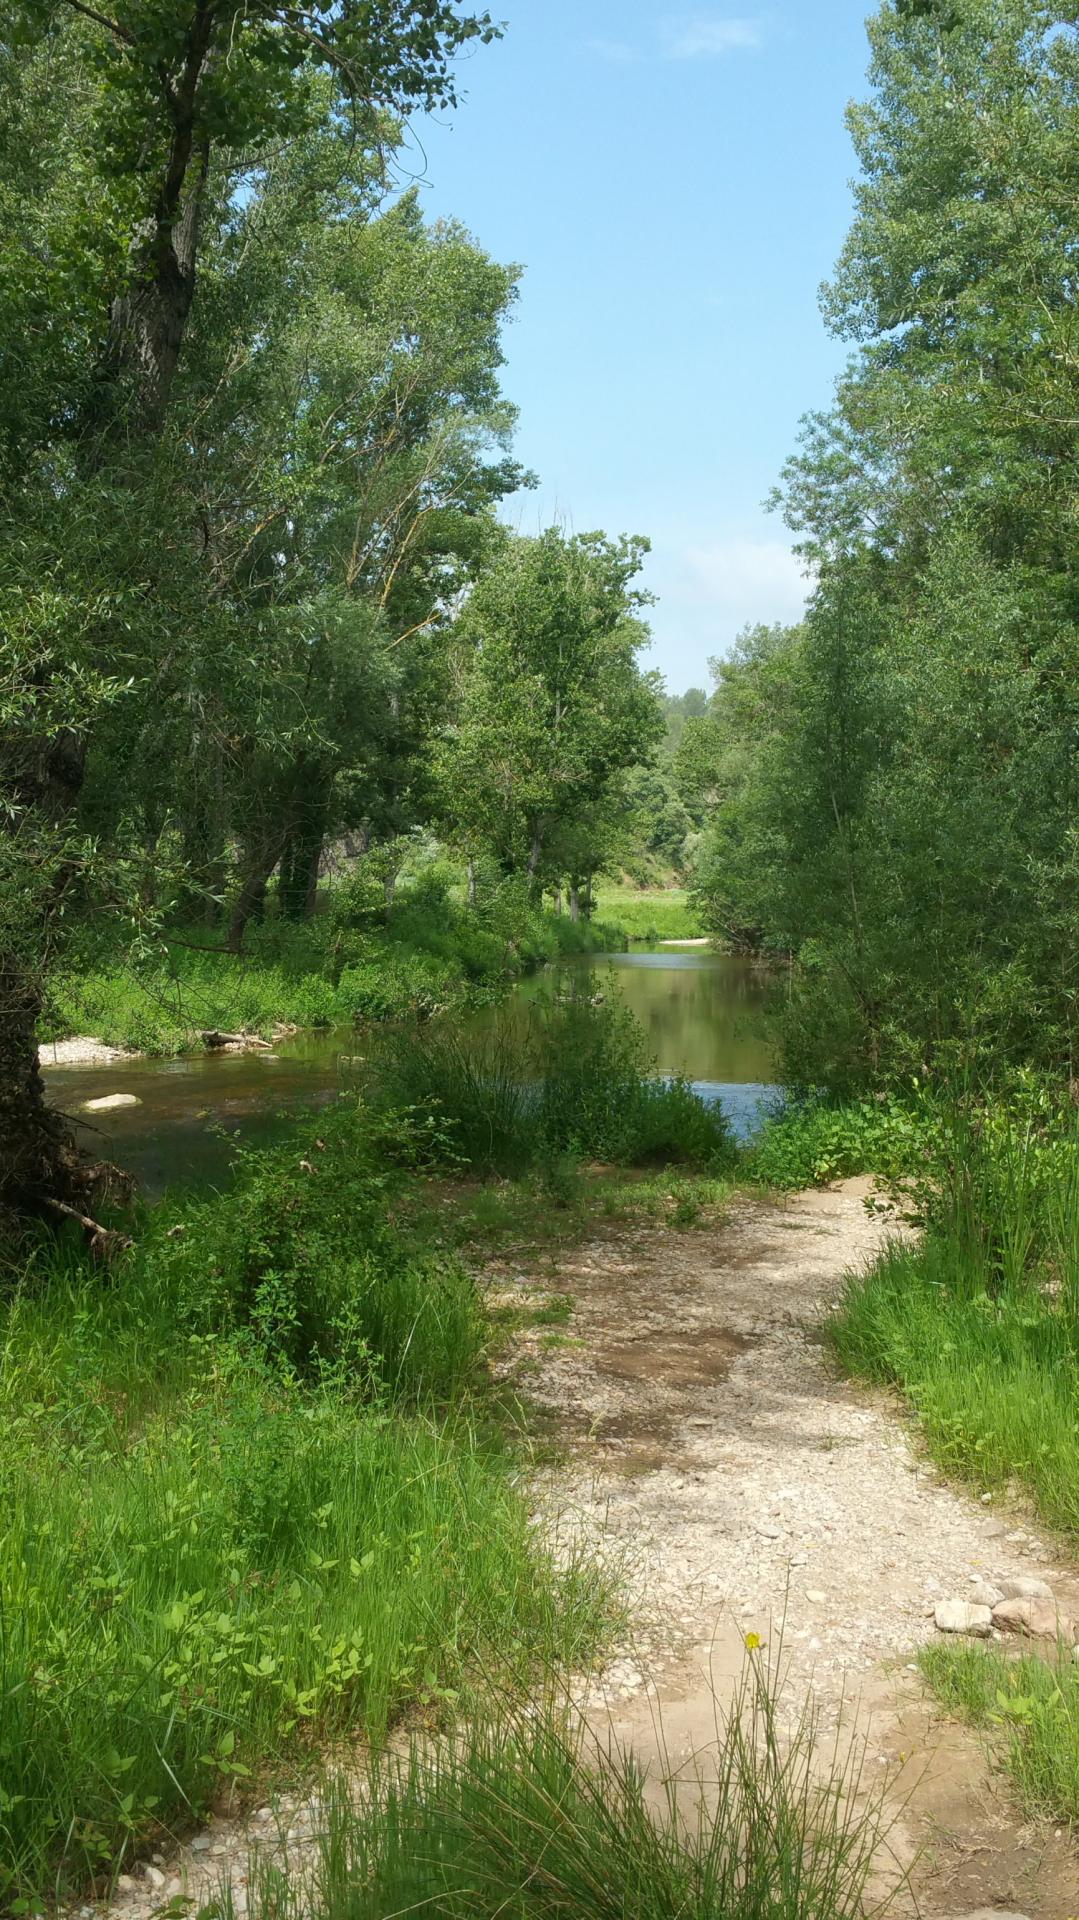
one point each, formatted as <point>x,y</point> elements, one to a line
<point>105,1242</point>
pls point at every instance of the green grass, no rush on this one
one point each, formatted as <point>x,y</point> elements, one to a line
<point>977,1324</point>
<point>1030,1708</point>
<point>341,968</point>
<point>658,913</point>
<point>250,1500</point>
<point>527,1819</point>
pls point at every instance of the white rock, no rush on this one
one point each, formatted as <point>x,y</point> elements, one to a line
<point>155,1876</point>
<point>983,1594</point>
<point>126,1883</point>
<point>815,1597</point>
<point>963,1616</point>
<point>1025,1587</point>
<point>107,1100</point>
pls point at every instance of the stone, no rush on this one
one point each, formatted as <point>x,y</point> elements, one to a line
<point>107,1100</point>
<point>1025,1587</point>
<point>126,1883</point>
<point>155,1877</point>
<point>815,1597</point>
<point>1035,1619</point>
<point>768,1530</point>
<point>201,1843</point>
<point>963,1616</point>
<point>984,1595</point>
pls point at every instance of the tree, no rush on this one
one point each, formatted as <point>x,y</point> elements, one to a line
<point>552,706</point>
<point>153,117</point>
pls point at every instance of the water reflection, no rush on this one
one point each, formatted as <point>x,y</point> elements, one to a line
<point>700,1012</point>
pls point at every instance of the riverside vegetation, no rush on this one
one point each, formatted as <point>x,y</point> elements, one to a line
<point>257,606</point>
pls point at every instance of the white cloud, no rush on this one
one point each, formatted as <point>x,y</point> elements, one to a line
<point>703,37</point>
<point>617,53</point>
<point>709,589</point>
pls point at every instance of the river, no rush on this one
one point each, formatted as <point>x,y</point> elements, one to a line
<point>701,1012</point>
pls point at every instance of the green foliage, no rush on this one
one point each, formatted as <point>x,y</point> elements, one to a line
<point>978,1323</point>
<point>1029,1704</point>
<point>347,966</point>
<point>231,1524</point>
<point>892,795</point>
<point>566,1076</point>
<point>553,707</point>
<point>525,1817</point>
<point>810,1142</point>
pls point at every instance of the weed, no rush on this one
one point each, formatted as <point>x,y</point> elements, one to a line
<point>1030,1705</point>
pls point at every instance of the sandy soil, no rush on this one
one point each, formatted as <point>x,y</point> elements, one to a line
<point>708,1444</point>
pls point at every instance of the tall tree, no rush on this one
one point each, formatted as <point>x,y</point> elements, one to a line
<point>160,109</point>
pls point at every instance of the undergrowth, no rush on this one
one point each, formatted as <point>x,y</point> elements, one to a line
<point>656,913</point>
<point>349,965</point>
<point>566,1078</point>
<point>248,1502</point>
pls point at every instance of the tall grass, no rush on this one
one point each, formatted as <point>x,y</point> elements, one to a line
<point>528,1819</point>
<point>245,1503</point>
<point>566,1076</point>
<point>1031,1707</point>
<point>977,1324</point>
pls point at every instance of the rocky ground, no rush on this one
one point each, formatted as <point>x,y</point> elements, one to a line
<point>707,1443</point>
<point>748,1490</point>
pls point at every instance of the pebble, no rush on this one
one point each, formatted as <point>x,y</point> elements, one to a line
<point>963,1616</point>
<point>155,1876</point>
<point>201,1843</point>
<point>815,1597</point>
<point>985,1595</point>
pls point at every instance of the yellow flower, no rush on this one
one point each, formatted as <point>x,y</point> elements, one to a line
<point>753,1641</point>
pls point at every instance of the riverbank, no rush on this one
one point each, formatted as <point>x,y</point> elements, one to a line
<point>428,958</point>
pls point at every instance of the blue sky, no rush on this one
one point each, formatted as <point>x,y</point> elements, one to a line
<point>675,183</point>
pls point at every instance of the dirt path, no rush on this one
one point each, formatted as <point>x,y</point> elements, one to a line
<point>713,1446</point>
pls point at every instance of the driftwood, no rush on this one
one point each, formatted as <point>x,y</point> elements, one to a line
<point>213,1038</point>
<point>105,1242</point>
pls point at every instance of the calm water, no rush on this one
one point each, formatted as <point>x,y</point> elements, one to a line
<point>701,1012</point>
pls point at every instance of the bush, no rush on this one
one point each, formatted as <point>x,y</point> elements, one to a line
<point>566,1075</point>
<point>811,1141</point>
<point>301,1260</point>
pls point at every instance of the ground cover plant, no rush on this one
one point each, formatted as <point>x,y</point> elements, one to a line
<point>249,1500</point>
<point>529,1819</point>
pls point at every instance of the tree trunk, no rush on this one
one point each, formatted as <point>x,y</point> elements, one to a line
<point>558,899</point>
<point>472,883</point>
<point>314,868</point>
<point>535,854</point>
<point>35,1145</point>
<point>588,897</point>
<point>249,901</point>
<point>574,903</point>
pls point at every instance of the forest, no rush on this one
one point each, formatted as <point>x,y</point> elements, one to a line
<point>297,734</point>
